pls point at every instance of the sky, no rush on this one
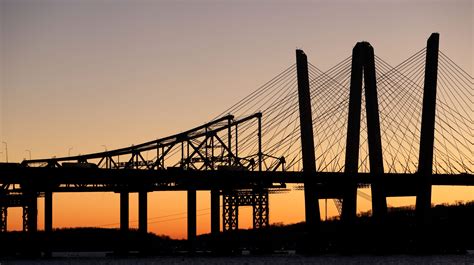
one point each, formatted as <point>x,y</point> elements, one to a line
<point>81,76</point>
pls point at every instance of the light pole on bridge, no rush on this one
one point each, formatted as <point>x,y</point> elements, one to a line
<point>29,152</point>
<point>69,151</point>
<point>6,151</point>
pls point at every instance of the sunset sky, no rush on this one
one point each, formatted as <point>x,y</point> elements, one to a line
<point>76,76</point>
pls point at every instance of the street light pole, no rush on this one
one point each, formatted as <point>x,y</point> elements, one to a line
<point>29,152</point>
<point>6,151</point>
<point>69,151</point>
<point>105,147</point>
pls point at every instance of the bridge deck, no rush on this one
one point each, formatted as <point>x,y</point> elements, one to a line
<point>93,179</point>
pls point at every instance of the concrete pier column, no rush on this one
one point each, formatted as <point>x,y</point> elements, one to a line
<point>191,219</point>
<point>122,247</point>
<point>48,212</point>
<point>143,212</point>
<point>215,212</point>
<point>48,222</point>
<point>124,211</point>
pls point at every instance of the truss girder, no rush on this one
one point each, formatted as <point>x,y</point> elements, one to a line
<point>195,145</point>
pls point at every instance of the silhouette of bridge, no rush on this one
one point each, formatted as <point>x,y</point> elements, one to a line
<point>304,129</point>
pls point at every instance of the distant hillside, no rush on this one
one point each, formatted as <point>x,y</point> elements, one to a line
<point>452,227</point>
<point>86,239</point>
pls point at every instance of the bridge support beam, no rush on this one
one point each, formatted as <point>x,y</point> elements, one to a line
<point>312,214</point>
<point>192,219</point>
<point>143,212</point>
<point>215,212</point>
<point>425,166</point>
<point>124,212</point>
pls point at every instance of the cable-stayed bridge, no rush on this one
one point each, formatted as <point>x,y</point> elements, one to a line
<point>398,129</point>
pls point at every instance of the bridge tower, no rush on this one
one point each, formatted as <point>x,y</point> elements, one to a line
<point>312,213</point>
<point>363,70</point>
<point>425,165</point>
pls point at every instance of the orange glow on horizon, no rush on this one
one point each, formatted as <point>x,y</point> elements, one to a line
<point>167,210</point>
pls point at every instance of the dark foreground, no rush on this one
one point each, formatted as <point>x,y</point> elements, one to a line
<point>451,234</point>
<point>273,260</point>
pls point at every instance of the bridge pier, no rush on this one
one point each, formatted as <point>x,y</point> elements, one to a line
<point>215,212</point>
<point>192,219</point>
<point>124,212</point>
<point>143,221</point>
<point>122,248</point>
<point>143,212</point>
<point>48,212</point>
<point>48,221</point>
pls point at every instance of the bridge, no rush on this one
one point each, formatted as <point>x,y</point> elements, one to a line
<point>305,129</point>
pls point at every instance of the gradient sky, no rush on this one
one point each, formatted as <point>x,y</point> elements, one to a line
<point>82,74</point>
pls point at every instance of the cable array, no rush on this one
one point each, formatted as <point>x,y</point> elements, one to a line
<point>400,99</point>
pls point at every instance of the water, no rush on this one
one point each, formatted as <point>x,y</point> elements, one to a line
<point>270,260</point>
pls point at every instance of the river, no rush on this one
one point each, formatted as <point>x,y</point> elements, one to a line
<point>270,260</point>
